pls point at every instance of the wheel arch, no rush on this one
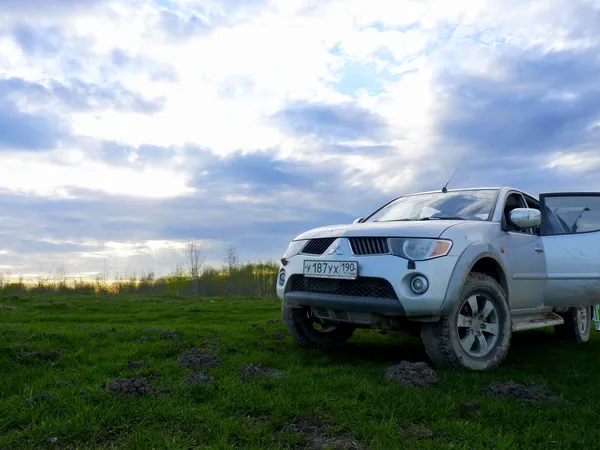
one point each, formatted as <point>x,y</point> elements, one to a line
<point>478,257</point>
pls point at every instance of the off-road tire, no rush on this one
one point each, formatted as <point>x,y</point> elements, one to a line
<point>570,329</point>
<point>301,328</point>
<point>441,340</point>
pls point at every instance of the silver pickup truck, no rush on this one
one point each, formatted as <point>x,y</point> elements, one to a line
<point>463,269</point>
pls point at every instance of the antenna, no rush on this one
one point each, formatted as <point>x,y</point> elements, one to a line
<point>444,190</point>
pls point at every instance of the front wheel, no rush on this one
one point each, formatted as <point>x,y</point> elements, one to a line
<point>577,326</point>
<point>311,332</point>
<point>477,333</point>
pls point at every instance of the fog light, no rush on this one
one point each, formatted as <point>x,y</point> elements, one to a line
<point>281,277</point>
<point>419,284</point>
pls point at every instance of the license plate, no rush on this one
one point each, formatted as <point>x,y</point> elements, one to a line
<point>331,269</point>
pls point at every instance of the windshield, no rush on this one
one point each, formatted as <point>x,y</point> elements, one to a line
<point>466,205</point>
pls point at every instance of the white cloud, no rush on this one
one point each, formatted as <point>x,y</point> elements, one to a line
<point>37,174</point>
<point>259,58</point>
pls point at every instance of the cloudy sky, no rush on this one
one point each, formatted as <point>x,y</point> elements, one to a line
<point>128,127</point>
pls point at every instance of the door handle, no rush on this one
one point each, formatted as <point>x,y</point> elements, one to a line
<point>539,250</point>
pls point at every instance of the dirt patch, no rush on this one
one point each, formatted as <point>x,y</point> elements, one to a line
<point>199,360</point>
<point>30,400</point>
<point>131,387</point>
<point>136,364</point>
<point>152,334</point>
<point>30,355</point>
<point>259,371</point>
<point>6,308</point>
<point>278,335</point>
<point>414,374</point>
<point>197,379</point>
<point>530,393</point>
<point>417,431</point>
<point>316,433</point>
<point>102,331</point>
<point>465,410</point>
<point>37,358</point>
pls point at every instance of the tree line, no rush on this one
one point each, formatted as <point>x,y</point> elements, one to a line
<point>190,278</point>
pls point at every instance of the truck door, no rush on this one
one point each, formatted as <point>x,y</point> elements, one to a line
<point>570,233</point>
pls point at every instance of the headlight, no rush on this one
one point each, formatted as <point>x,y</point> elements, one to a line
<point>294,248</point>
<point>420,249</point>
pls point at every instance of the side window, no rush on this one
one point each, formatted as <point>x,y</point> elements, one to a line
<point>571,214</point>
<point>513,201</point>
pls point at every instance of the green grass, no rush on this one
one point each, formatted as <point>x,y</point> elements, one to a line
<point>82,341</point>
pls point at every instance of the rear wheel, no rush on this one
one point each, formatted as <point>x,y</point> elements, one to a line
<point>309,331</point>
<point>477,333</point>
<point>577,326</point>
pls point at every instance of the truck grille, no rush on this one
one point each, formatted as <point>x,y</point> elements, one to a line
<point>369,245</point>
<point>317,246</point>
<point>361,287</point>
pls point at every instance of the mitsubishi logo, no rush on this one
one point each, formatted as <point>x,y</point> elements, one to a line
<point>336,249</point>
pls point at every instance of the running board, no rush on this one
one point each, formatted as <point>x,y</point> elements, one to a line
<point>533,321</point>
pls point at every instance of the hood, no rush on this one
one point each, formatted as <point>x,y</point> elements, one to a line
<point>426,229</point>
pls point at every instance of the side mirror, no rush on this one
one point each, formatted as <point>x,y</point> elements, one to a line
<point>526,217</point>
<point>359,220</point>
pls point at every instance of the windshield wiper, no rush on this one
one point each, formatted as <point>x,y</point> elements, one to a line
<point>443,218</point>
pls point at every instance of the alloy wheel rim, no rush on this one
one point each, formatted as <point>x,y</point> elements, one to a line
<point>582,319</point>
<point>478,325</point>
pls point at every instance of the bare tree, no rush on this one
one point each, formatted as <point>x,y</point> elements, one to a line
<point>231,258</point>
<point>194,260</point>
<point>105,270</point>
<point>60,277</point>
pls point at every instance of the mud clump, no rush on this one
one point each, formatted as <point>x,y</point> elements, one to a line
<point>258,327</point>
<point>131,387</point>
<point>31,400</point>
<point>197,379</point>
<point>315,432</point>
<point>530,393</point>
<point>199,359</point>
<point>413,374</point>
<point>259,371</point>
<point>136,364</point>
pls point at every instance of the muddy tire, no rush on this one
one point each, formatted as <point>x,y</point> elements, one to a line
<point>577,326</point>
<point>477,333</point>
<point>309,332</point>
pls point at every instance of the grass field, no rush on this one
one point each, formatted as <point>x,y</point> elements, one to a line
<point>59,352</point>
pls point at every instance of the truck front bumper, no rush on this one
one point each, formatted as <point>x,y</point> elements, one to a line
<point>382,287</point>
